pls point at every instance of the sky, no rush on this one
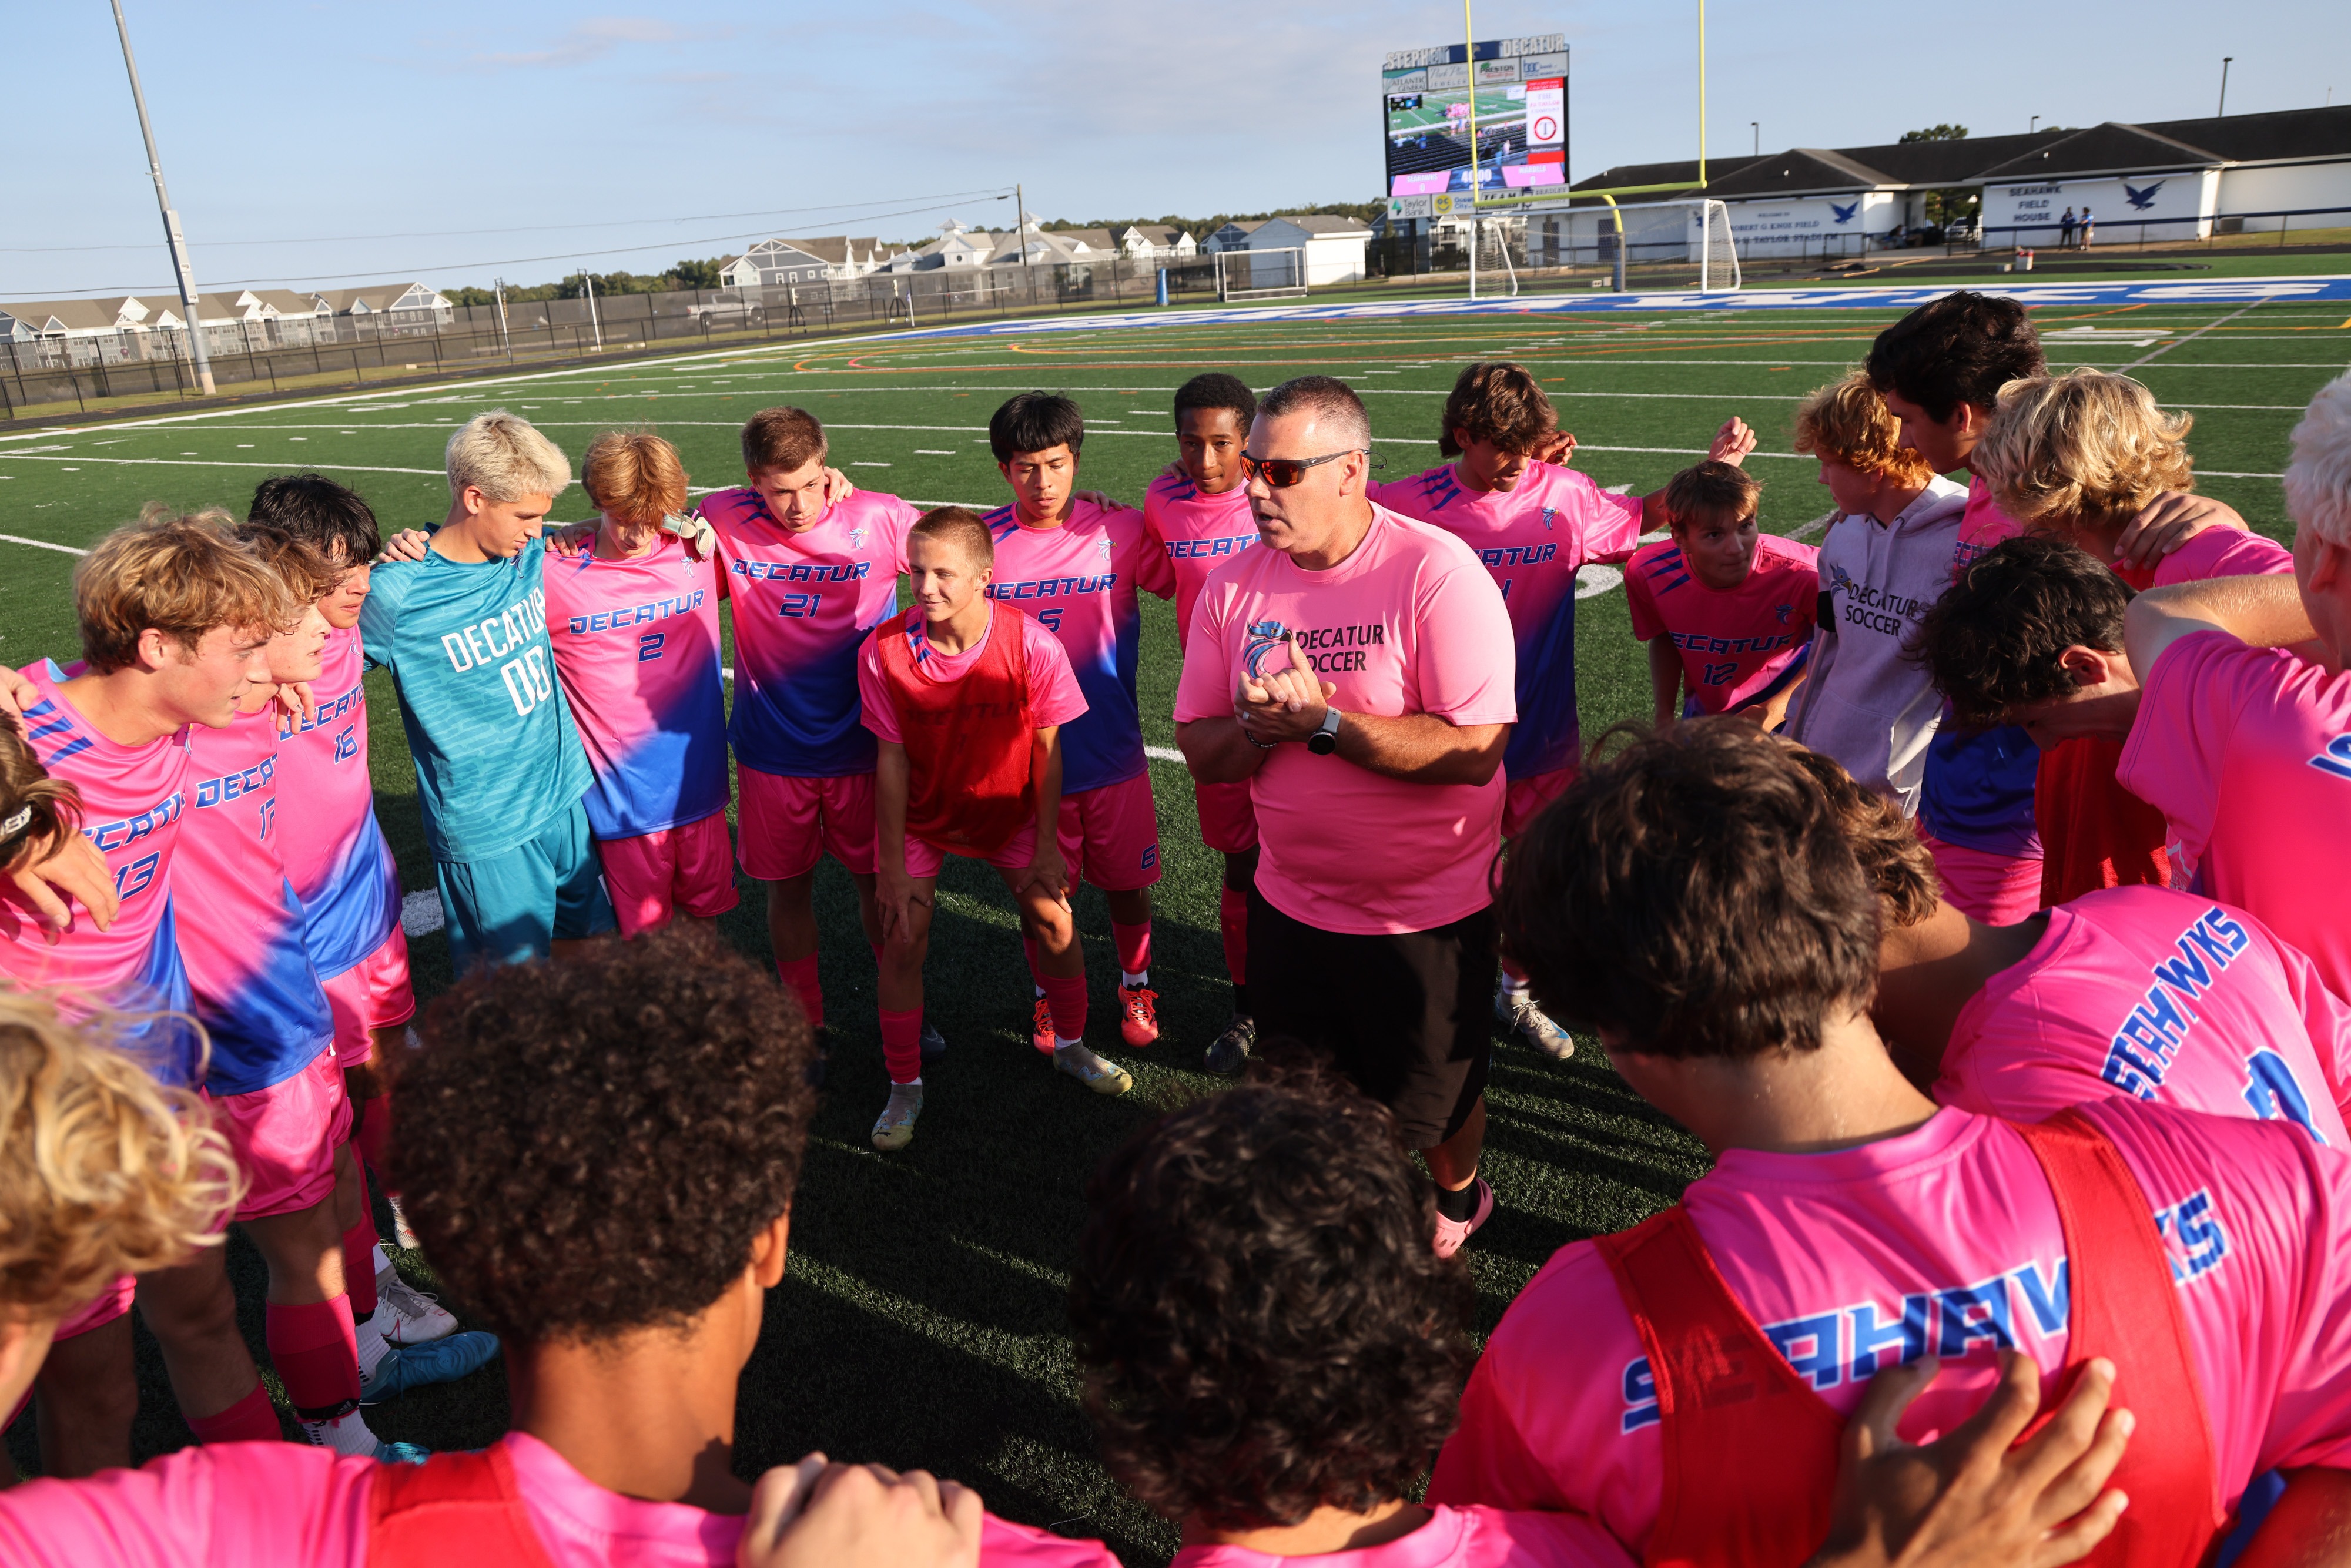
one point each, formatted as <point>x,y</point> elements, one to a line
<point>333,144</point>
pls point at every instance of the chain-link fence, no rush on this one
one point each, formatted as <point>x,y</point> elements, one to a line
<point>44,373</point>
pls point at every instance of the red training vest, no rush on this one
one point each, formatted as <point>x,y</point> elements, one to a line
<point>967,740</point>
<point>1752,1449</point>
<point>454,1510</point>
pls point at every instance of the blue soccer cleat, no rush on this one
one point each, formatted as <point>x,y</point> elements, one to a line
<point>407,1367</point>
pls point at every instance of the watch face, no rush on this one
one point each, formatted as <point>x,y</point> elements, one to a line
<point>1322,743</point>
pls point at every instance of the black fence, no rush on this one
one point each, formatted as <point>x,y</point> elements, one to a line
<point>42,374</point>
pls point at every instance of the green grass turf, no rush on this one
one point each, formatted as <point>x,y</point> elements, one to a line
<point>921,1321</point>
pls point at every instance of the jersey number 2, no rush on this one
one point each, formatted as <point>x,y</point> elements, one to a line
<point>649,646</point>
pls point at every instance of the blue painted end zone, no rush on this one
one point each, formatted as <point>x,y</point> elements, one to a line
<point>2246,291</point>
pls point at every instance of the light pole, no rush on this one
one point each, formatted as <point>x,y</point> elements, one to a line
<point>2224,85</point>
<point>171,236</point>
<point>2033,126</point>
<point>1757,125</point>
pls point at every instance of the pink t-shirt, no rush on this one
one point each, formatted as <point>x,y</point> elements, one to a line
<point>1083,581</point>
<point>2247,753</point>
<point>803,602</point>
<point>1533,539</point>
<point>1452,1538</point>
<point>2215,553</point>
<point>2160,995</point>
<point>1199,533</point>
<point>1942,1241</point>
<point>335,853</point>
<point>1737,647</point>
<point>285,1505</point>
<point>1054,697</point>
<point>1409,623</point>
<point>133,801</point>
<point>636,647</point>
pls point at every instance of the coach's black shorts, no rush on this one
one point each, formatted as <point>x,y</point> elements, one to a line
<point>1409,1018</point>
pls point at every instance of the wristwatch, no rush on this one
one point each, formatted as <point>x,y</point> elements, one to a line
<point>1325,738</point>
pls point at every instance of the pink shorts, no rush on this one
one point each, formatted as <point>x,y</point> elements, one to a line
<point>285,1136</point>
<point>690,867</point>
<point>1110,836</point>
<point>1527,797</point>
<point>924,858</point>
<point>785,823</point>
<point>1228,817</point>
<point>100,1310</point>
<point>372,994</point>
<point>1999,890</point>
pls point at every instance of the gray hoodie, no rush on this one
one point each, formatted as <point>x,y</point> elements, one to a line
<point>1864,701</point>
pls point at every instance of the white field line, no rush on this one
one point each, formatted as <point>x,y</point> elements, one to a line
<point>42,544</point>
<point>205,462</point>
<point>2190,337</point>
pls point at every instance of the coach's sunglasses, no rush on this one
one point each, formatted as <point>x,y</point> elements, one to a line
<point>1281,473</point>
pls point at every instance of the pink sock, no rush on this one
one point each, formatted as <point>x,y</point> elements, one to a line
<point>1134,944</point>
<point>1067,997</point>
<point>251,1419</point>
<point>1029,947</point>
<point>800,974</point>
<point>902,1044</point>
<point>359,1265</point>
<point>1232,919</point>
<point>316,1351</point>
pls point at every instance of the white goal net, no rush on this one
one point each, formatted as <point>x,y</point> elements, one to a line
<point>1261,274</point>
<point>1644,236</point>
<point>1712,247</point>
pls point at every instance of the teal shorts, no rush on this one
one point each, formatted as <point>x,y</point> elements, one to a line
<point>509,908</point>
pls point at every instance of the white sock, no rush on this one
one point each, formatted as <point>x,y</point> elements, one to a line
<point>1514,985</point>
<point>383,1263</point>
<point>914,1082</point>
<point>345,1434</point>
<point>372,1348</point>
<point>1134,982</point>
<point>1062,1042</point>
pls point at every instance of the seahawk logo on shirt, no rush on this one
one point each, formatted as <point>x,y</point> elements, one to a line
<point>1785,611</point>
<point>1101,547</point>
<point>1548,514</point>
<point>857,538</point>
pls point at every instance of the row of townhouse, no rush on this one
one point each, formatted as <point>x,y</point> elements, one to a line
<point>126,328</point>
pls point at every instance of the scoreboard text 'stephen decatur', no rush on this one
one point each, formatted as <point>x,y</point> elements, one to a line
<point>1515,92</point>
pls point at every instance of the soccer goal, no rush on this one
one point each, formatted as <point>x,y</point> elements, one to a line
<point>1714,249</point>
<point>1261,274</point>
<point>1670,235</point>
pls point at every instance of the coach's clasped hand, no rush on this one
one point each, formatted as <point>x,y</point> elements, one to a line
<point>1282,705</point>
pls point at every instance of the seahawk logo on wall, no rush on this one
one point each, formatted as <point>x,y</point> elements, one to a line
<point>2142,199</point>
<point>1845,214</point>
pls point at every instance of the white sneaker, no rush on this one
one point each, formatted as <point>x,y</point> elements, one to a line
<point>347,1433</point>
<point>894,1128</point>
<point>1102,1077</point>
<point>1516,1008</point>
<point>405,1315</point>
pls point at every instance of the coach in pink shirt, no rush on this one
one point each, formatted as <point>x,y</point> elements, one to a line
<point>2242,739</point>
<point>1358,672</point>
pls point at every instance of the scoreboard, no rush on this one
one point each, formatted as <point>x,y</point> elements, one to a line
<point>1515,90</point>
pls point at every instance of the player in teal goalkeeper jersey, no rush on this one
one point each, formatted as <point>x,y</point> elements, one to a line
<point>498,764</point>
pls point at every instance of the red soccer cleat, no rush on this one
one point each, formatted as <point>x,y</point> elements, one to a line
<point>1138,1016</point>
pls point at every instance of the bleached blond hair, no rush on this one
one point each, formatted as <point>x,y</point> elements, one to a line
<point>2083,449</point>
<point>505,457</point>
<point>103,1171</point>
<point>2318,474</point>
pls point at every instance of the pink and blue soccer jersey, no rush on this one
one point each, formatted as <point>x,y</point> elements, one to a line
<point>334,853</point>
<point>1199,533</point>
<point>803,604</point>
<point>133,801</point>
<point>636,646</point>
<point>1532,540</point>
<point>2159,994</point>
<point>1083,581</point>
<point>246,948</point>
<point>1737,647</point>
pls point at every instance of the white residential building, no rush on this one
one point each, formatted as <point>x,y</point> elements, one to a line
<point>775,262</point>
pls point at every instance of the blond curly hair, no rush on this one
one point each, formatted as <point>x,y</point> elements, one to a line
<point>103,1171</point>
<point>2085,449</point>
<point>1846,421</point>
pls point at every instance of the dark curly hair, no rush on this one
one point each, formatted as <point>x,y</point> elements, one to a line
<point>1962,347</point>
<point>1215,389</point>
<point>1496,402</point>
<point>1892,854</point>
<point>1997,637</point>
<point>1263,1327</point>
<point>1693,895</point>
<point>331,518</point>
<point>587,1147</point>
<point>1035,422</point>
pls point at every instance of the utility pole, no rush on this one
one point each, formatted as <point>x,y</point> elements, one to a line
<point>498,293</point>
<point>2224,85</point>
<point>588,282</point>
<point>185,273</point>
<point>1757,125</point>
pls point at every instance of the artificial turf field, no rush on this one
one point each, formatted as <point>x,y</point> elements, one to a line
<point>921,1321</point>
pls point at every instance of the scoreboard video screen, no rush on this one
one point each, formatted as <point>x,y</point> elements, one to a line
<point>1514,91</point>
